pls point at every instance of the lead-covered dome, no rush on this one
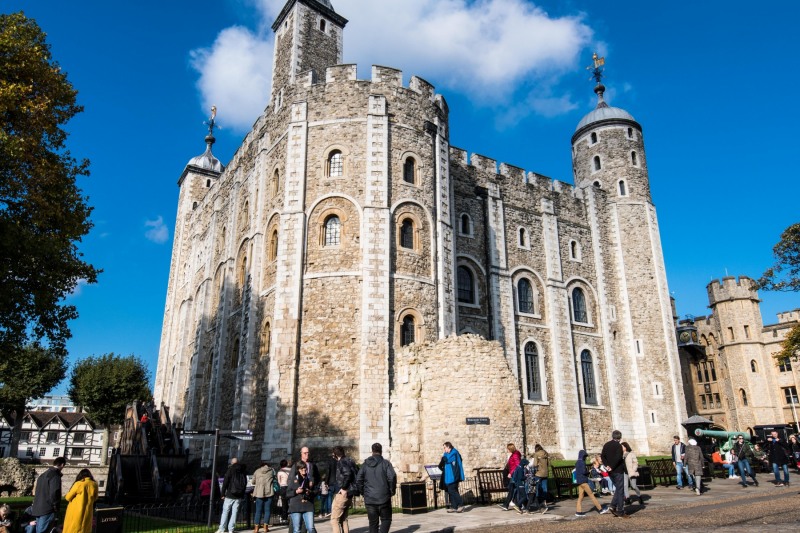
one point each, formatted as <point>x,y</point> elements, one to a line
<point>206,160</point>
<point>603,111</point>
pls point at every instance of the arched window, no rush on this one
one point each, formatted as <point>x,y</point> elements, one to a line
<point>322,25</point>
<point>525,296</point>
<point>266,339</point>
<point>243,272</point>
<point>532,372</point>
<point>235,354</point>
<point>407,330</point>
<point>743,394</point>
<point>332,231</point>
<point>335,164</point>
<point>579,312</point>
<point>272,255</point>
<point>596,162</point>
<point>597,184</point>
<point>466,225</point>
<point>587,370</point>
<point>574,250</point>
<point>407,234</point>
<point>466,287</point>
<point>273,186</point>
<point>634,159</point>
<point>622,190</point>
<point>753,365</point>
<point>522,237</point>
<point>594,137</point>
<point>208,183</point>
<point>409,170</point>
<point>630,133</point>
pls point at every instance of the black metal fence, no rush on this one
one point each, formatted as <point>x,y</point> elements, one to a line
<point>191,515</point>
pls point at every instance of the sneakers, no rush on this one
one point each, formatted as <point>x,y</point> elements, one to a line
<point>605,510</point>
<point>518,509</point>
<point>579,515</point>
<point>503,507</point>
<point>460,509</point>
<point>755,482</point>
<point>544,509</point>
<point>679,487</point>
<point>779,484</point>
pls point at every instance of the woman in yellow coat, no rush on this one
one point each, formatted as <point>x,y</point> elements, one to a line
<point>81,498</point>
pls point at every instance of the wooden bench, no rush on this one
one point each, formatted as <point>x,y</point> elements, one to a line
<point>562,479</point>
<point>491,481</point>
<point>662,471</point>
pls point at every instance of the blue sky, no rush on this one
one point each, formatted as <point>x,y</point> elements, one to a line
<point>712,83</point>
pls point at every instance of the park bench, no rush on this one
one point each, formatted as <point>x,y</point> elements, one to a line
<point>562,478</point>
<point>491,481</point>
<point>662,471</point>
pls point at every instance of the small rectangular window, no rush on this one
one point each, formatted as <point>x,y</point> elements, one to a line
<point>638,345</point>
<point>785,365</point>
<point>77,452</point>
<point>52,436</point>
<point>703,400</point>
<point>79,438</point>
<point>42,452</point>
<point>25,436</point>
<point>731,336</point>
<point>747,332</point>
<point>29,452</point>
<point>790,394</point>
<point>56,452</point>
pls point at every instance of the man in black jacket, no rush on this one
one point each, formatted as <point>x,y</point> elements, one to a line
<point>47,498</point>
<point>344,480</point>
<point>613,458</point>
<point>377,482</point>
<point>233,489</point>
<point>779,454</point>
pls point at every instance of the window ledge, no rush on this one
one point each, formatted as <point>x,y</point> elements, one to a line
<point>597,407</point>
<point>535,402</point>
<point>472,306</point>
<point>529,315</point>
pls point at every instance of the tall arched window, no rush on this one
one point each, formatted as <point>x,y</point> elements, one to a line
<point>407,331</point>
<point>235,354</point>
<point>409,170</point>
<point>332,231</point>
<point>622,190</point>
<point>587,369</point>
<point>596,162</point>
<point>574,250</point>
<point>322,25</point>
<point>579,313</point>
<point>634,159</point>
<point>753,365</point>
<point>743,394</point>
<point>466,289</point>
<point>466,225</point>
<point>242,272</point>
<point>273,186</point>
<point>407,234</point>
<point>525,296</point>
<point>272,255</point>
<point>335,164</point>
<point>266,333</point>
<point>532,372</point>
<point>522,237</point>
<point>593,137</point>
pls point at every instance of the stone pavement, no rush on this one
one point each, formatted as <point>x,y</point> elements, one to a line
<point>724,491</point>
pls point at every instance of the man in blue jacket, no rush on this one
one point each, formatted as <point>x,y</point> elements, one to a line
<point>453,475</point>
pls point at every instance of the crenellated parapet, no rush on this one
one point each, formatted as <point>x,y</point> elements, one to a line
<point>731,288</point>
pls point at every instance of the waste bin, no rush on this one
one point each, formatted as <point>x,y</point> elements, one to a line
<point>413,497</point>
<point>108,520</point>
<point>645,477</point>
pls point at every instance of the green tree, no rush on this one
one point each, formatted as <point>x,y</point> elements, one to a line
<point>784,275</point>
<point>43,214</point>
<point>29,372</point>
<point>105,385</point>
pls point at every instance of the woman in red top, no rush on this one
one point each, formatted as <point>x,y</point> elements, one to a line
<point>511,465</point>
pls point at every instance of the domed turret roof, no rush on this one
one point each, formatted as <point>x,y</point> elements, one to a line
<point>206,160</point>
<point>603,111</point>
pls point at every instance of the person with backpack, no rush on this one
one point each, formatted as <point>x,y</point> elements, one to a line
<point>582,481</point>
<point>265,485</point>
<point>344,481</point>
<point>233,489</point>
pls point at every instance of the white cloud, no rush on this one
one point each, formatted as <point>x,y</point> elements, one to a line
<point>78,290</point>
<point>158,232</point>
<point>489,50</point>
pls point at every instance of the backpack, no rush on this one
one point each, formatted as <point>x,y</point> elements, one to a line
<point>276,487</point>
<point>238,484</point>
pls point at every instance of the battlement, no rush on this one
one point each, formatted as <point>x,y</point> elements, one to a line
<point>731,288</point>
<point>789,316</point>
<point>380,74</point>
<point>511,172</point>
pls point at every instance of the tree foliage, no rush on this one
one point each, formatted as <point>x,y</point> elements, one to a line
<point>28,372</point>
<point>104,385</point>
<point>43,214</point>
<point>784,275</point>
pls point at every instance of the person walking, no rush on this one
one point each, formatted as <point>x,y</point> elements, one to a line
<point>81,497</point>
<point>613,458</point>
<point>744,452</point>
<point>678,456</point>
<point>779,453</point>
<point>453,474</point>
<point>283,481</point>
<point>582,481</point>
<point>301,498</point>
<point>694,464</point>
<point>344,481</point>
<point>631,473</point>
<point>233,489</point>
<point>541,464</point>
<point>47,497</point>
<point>263,492</point>
<point>377,483</point>
<point>511,465</point>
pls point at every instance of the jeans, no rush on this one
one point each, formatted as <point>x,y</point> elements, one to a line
<point>325,503</point>
<point>541,490</point>
<point>455,498</point>
<point>775,470</point>
<point>618,501</point>
<point>298,518</point>
<point>680,469</point>
<point>382,513</point>
<point>44,522</point>
<point>263,508</point>
<point>512,494</point>
<point>230,508</point>
<point>745,470</point>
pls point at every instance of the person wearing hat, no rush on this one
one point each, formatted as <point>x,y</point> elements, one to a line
<point>694,464</point>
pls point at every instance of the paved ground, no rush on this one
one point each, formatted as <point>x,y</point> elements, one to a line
<point>726,506</point>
